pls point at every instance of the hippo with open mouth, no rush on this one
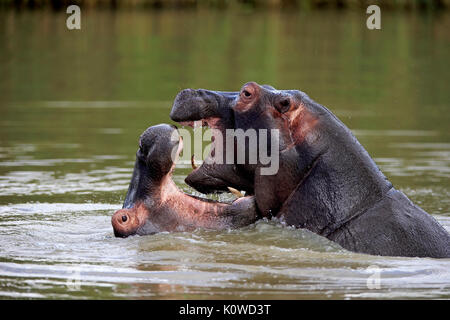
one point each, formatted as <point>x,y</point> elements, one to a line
<point>155,204</point>
<point>326,181</point>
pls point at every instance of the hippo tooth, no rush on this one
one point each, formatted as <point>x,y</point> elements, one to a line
<point>236,192</point>
<point>193,162</point>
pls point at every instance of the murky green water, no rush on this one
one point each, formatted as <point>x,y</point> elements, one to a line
<point>73,104</point>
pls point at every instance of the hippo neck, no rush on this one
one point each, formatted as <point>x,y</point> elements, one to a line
<point>341,183</point>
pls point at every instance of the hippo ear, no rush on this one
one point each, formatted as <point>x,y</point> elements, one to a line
<point>282,103</point>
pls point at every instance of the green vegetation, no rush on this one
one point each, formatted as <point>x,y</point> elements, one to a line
<point>224,4</point>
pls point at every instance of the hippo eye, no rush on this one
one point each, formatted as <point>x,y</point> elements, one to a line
<point>124,218</point>
<point>247,94</point>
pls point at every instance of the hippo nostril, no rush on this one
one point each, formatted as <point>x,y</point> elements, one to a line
<point>124,218</point>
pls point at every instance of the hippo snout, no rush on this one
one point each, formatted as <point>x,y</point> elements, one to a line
<point>125,223</point>
<point>193,105</point>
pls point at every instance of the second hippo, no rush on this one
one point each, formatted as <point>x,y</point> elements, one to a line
<point>155,204</point>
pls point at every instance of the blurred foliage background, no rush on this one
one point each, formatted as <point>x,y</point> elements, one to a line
<point>301,4</point>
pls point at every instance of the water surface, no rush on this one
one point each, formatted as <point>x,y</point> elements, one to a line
<point>73,104</point>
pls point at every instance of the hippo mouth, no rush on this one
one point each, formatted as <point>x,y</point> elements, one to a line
<point>211,109</point>
<point>211,164</point>
<point>214,125</point>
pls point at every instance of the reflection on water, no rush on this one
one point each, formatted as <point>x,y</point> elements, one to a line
<point>74,104</point>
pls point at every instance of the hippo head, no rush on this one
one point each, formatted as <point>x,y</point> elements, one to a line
<point>159,147</point>
<point>253,107</point>
<point>211,109</point>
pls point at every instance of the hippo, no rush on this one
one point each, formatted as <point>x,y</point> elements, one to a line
<point>155,204</point>
<point>326,181</point>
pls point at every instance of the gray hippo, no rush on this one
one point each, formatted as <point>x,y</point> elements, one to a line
<point>154,203</point>
<point>326,182</point>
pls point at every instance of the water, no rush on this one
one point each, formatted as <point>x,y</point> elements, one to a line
<point>73,104</point>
